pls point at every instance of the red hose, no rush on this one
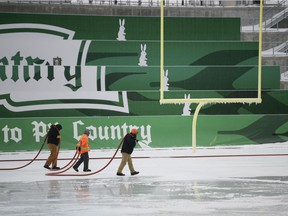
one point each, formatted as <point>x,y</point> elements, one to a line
<point>90,173</point>
<point>20,167</point>
<point>64,169</point>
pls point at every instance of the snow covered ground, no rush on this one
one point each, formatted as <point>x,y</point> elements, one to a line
<point>220,181</point>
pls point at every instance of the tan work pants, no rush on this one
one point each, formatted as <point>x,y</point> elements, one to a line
<point>53,155</point>
<point>126,158</point>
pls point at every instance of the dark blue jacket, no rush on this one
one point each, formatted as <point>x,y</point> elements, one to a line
<point>129,143</point>
<point>54,134</point>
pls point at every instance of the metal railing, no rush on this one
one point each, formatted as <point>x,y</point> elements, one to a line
<point>284,75</point>
<point>271,18</point>
<point>271,21</point>
<point>156,3</point>
<point>275,49</point>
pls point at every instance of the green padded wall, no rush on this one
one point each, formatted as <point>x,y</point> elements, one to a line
<point>136,28</point>
<point>175,53</point>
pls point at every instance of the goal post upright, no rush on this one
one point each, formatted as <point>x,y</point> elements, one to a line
<point>260,49</point>
<point>161,49</point>
<point>202,101</point>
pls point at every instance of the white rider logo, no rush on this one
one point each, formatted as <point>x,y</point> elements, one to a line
<point>28,72</point>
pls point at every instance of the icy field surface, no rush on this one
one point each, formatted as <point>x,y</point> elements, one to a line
<point>234,181</point>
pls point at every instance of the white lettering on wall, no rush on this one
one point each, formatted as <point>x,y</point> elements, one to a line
<point>14,134</point>
<point>39,130</point>
<point>6,135</point>
<point>112,132</point>
<point>75,129</point>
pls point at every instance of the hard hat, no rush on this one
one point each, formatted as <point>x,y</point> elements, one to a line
<point>87,131</point>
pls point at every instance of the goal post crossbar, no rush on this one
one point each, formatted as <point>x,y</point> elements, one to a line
<point>211,100</point>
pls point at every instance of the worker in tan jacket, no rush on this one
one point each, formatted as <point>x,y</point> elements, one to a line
<point>128,146</point>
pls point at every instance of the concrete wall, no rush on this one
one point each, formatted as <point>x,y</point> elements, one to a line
<point>270,39</point>
<point>249,15</point>
<point>243,12</point>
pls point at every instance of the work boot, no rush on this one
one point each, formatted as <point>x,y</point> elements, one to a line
<point>55,168</point>
<point>120,174</point>
<point>134,173</point>
<point>47,167</point>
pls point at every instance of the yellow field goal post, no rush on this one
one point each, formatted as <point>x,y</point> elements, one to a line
<point>203,101</point>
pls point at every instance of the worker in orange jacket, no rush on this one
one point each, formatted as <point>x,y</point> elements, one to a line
<point>83,149</point>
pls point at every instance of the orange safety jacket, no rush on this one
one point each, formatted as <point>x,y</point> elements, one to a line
<point>84,144</point>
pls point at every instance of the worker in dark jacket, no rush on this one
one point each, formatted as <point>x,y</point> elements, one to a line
<point>127,148</point>
<point>53,142</point>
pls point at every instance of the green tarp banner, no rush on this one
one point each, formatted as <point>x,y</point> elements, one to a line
<point>154,131</point>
